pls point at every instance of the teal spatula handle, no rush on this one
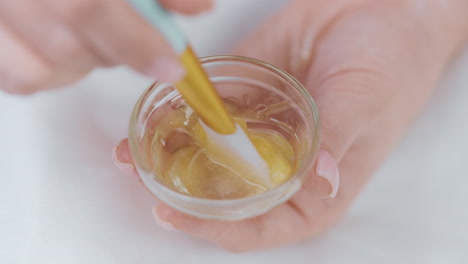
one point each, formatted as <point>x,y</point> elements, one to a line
<point>161,19</point>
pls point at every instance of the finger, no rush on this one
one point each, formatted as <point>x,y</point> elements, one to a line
<point>121,36</point>
<point>279,226</point>
<point>122,158</point>
<point>188,7</point>
<point>21,71</point>
<point>348,102</point>
<point>324,181</point>
<point>48,38</point>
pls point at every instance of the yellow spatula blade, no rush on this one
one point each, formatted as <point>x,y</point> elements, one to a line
<point>200,94</point>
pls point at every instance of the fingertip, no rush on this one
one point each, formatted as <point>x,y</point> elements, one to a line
<point>165,69</point>
<point>324,180</point>
<point>122,158</point>
<point>169,214</point>
<point>188,7</point>
<point>162,216</point>
<point>327,168</point>
<point>122,153</point>
<point>171,219</point>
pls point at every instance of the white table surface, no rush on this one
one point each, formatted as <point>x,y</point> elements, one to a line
<point>62,201</point>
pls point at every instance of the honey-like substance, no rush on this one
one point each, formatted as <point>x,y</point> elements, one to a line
<point>186,162</point>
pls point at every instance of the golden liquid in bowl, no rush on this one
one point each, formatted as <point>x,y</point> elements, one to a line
<point>183,158</point>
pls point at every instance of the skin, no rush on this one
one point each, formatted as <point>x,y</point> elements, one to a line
<point>62,41</point>
<point>371,67</point>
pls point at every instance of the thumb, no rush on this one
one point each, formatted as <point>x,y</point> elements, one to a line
<point>347,103</point>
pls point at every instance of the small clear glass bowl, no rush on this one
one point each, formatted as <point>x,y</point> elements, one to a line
<point>239,78</point>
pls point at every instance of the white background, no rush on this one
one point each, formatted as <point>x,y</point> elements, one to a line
<point>62,201</point>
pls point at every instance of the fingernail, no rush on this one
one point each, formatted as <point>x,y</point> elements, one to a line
<point>328,169</point>
<point>165,69</point>
<point>163,223</point>
<point>120,163</point>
